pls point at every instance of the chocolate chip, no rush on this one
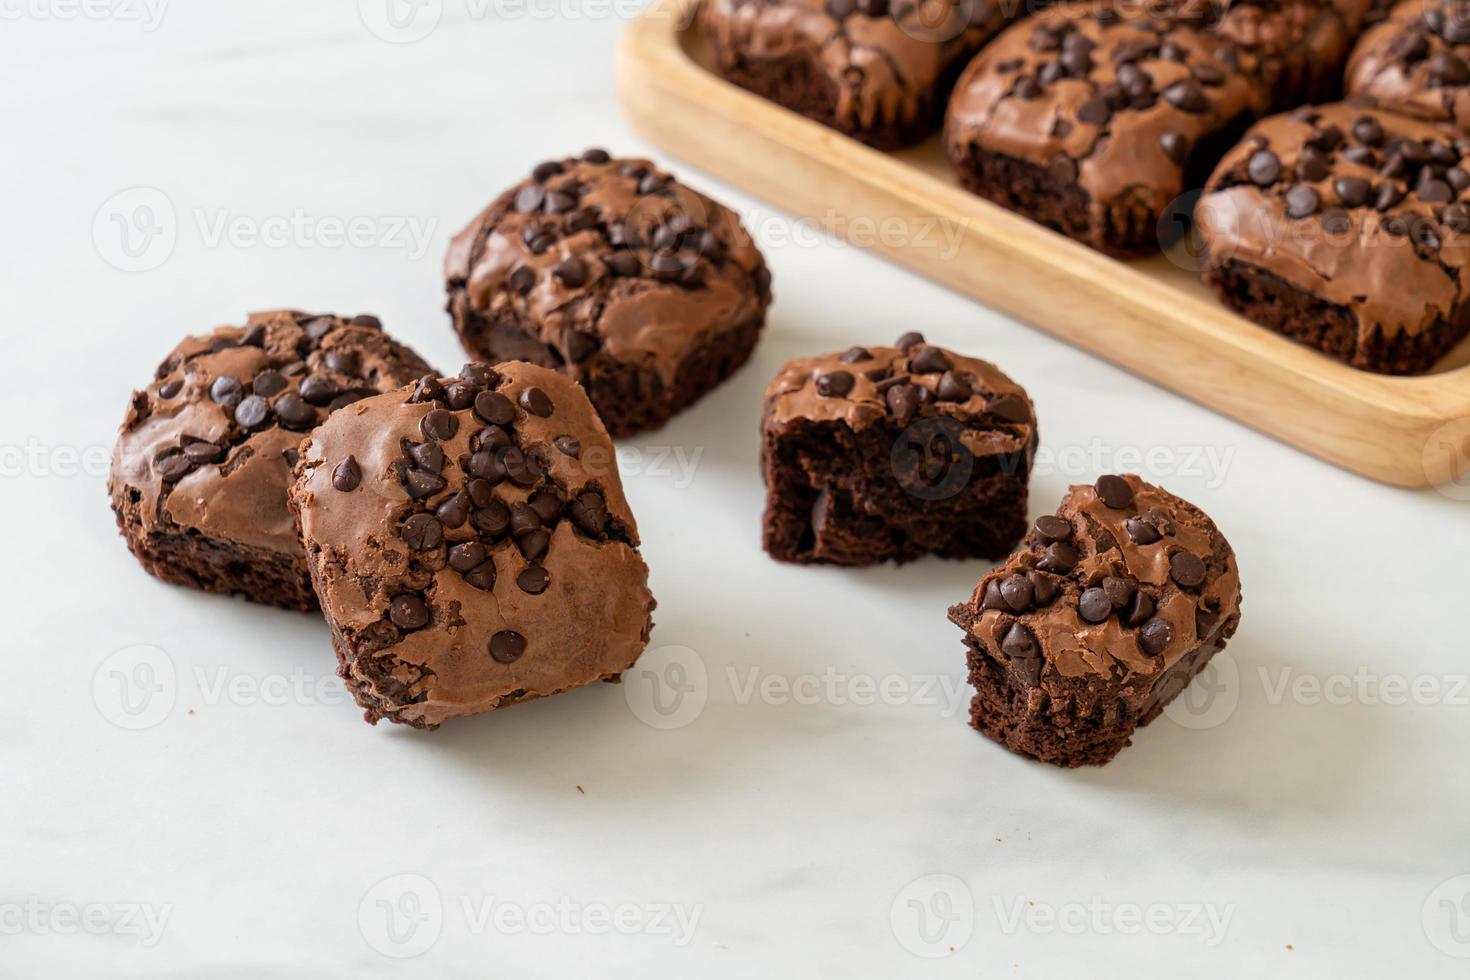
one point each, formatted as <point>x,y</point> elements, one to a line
<point>519,467</point>
<point>481,577</point>
<point>439,424</point>
<point>422,532</point>
<point>1361,155</point>
<point>170,388</point>
<point>596,155</point>
<point>492,519</point>
<point>533,580</point>
<point>494,408</point>
<point>523,519</point>
<point>1050,528</point>
<point>1043,587</point>
<point>319,326</point>
<point>536,401</point>
<point>1456,218</point>
<point>578,345</point>
<point>348,475</point>
<point>1118,590</point>
<point>1059,557</point>
<point>1263,168</point>
<point>1174,145</point>
<point>589,512</point>
<point>625,264</point>
<point>482,494</point>
<point>1352,191</point>
<point>1446,69</point>
<point>572,272</point>
<point>1018,593</point>
<point>427,455</point>
<point>1187,569</point>
<point>294,413</point>
<point>454,511</point>
<point>911,339</point>
<point>1367,130</point>
<point>421,483</point>
<point>269,383</point>
<point>1155,636</point>
<point>252,413</point>
<point>1140,608</point>
<point>559,201</point>
<point>408,612</point>
<point>903,402</point>
<point>204,452</point>
<point>1141,531</point>
<point>460,395</point>
<point>1313,166</point>
<point>544,170</point>
<point>319,390</point>
<point>1386,196</point>
<point>1302,201</point>
<point>530,198</point>
<point>478,374</point>
<point>467,556</point>
<point>1095,111</point>
<point>1114,491</point>
<point>507,646</point>
<point>834,384</point>
<point>226,391</point>
<point>929,360</point>
<point>1186,96</point>
<point>1011,408</point>
<point>992,597</point>
<point>533,544</point>
<point>1063,169</point>
<point>1019,642</point>
<point>1094,606</point>
<point>173,466</point>
<point>568,446</point>
<point>953,388</point>
<point>1432,190</point>
<point>426,389</point>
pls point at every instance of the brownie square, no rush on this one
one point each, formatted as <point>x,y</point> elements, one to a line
<point>1344,228</point>
<point>876,71</point>
<point>1112,606</point>
<point>204,456</point>
<point>891,453</point>
<point>1417,62</point>
<point>1093,121</point>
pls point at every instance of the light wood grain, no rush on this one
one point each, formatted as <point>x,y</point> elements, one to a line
<point>1151,316</point>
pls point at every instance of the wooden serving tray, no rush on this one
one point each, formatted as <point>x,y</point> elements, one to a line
<point>1151,316</point>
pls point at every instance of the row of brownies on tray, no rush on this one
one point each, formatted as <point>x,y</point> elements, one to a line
<point>467,538</point>
<point>1338,224</point>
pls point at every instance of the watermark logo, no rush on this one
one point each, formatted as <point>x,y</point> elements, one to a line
<point>668,687</point>
<point>400,21</point>
<point>1211,698</point>
<point>135,230</point>
<point>401,916</point>
<point>930,461</point>
<point>142,921</point>
<point>147,14</point>
<point>1446,916</point>
<point>1446,459</point>
<point>1207,921</point>
<point>135,687</point>
<point>933,916</point>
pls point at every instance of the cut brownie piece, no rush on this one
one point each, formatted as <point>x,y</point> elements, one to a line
<point>470,544</point>
<point>1296,48</point>
<point>1111,607</point>
<point>647,293</point>
<point>885,453</point>
<point>1092,121</point>
<point>876,72</point>
<point>1417,62</point>
<point>204,456</point>
<point>1344,228</point>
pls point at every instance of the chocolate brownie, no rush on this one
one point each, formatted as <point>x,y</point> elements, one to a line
<point>1345,228</point>
<point>204,456</point>
<point>891,453</point>
<point>614,273</point>
<point>1297,48</point>
<point>1417,62</point>
<point>875,70</point>
<point>1092,122</point>
<point>1113,604</point>
<point>470,544</point>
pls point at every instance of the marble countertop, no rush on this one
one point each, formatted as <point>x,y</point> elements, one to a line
<point>786,783</point>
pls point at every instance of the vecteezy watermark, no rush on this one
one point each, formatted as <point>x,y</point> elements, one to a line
<point>138,229</point>
<point>147,14</point>
<point>1209,464</point>
<point>1210,698</point>
<point>668,687</point>
<point>1446,459</point>
<point>135,687</point>
<point>34,458</point>
<point>1446,917</point>
<point>1097,916</point>
<point>933,916</point>
<point>407,21</point>
<point>404,915</point>
<point>142,921</point>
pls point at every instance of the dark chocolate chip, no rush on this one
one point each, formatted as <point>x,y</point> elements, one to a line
<point>1044,588</point>
<point>1019,642</point>
<point>835,384</point>
<point>578,345</point>
<point>439,424</point>
<point>1094,605</point>
<point>910,339</point>
<point>1059,557</point>
<point>408,612</point>
<point>492,519</point>
<point>953,388</point>
<point>929,360</point>
<point>421,483</point>
<point>572,272</point>
<point>1119,591</point>
<point>253,412</point>
<point>1140,608</point>
<point>507,646</point>
<point>568,446</point>
<point>454,511</point>
<point>903,402</point>
<point>1187,569</point>
<point>226,391</point>
<point>1174,145</point>
<point>173,466</point>
<point>533,580</point>
<point>1050,528</point>
<point>1011,408</point>
<point>494,408</point>
<point>1018,593</point>
<point>536,401</point>
<point>269,383</point>
<point>530,198</point>
<point>1155,636</point>
<point>318,389</point>
<point>427,455</point>
<point>422,532</point>
<point>1264,168</point>
<point>1302,201</point>
<point>1186,96</point>
<point>589,512</point>
<point>466,556</point>
<point>1114,491</point>
<point>294,412</point>
<point>522,278</point>
<point>1352,191</point>
<point>348,475</point>
<point>1141,531</point>
<point>481,577</point>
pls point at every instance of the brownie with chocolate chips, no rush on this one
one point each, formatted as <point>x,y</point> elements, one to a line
<point>1417,62</point>
<point>892,453</point>
<point>875,70</point>
<point>1113,604</point>
<point>1346,229</point>
<point>470,544</point>
<point>204,456</point>
<point>647,293</point>
<point>1093,121</point>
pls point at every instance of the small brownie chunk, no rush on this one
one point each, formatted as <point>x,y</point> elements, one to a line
<point>204,457</point>
<point>880,453</point>
<point>1113,604</point>
<point>1344,228</point>
<point>1297,48</point>
<point>1417,62</point>
<point>647,293</point>
<point>1092,121</point>
<point>877,72</point>
<point>470,544</point>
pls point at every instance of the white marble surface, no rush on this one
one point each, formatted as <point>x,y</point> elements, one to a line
<point>1308,820</point>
